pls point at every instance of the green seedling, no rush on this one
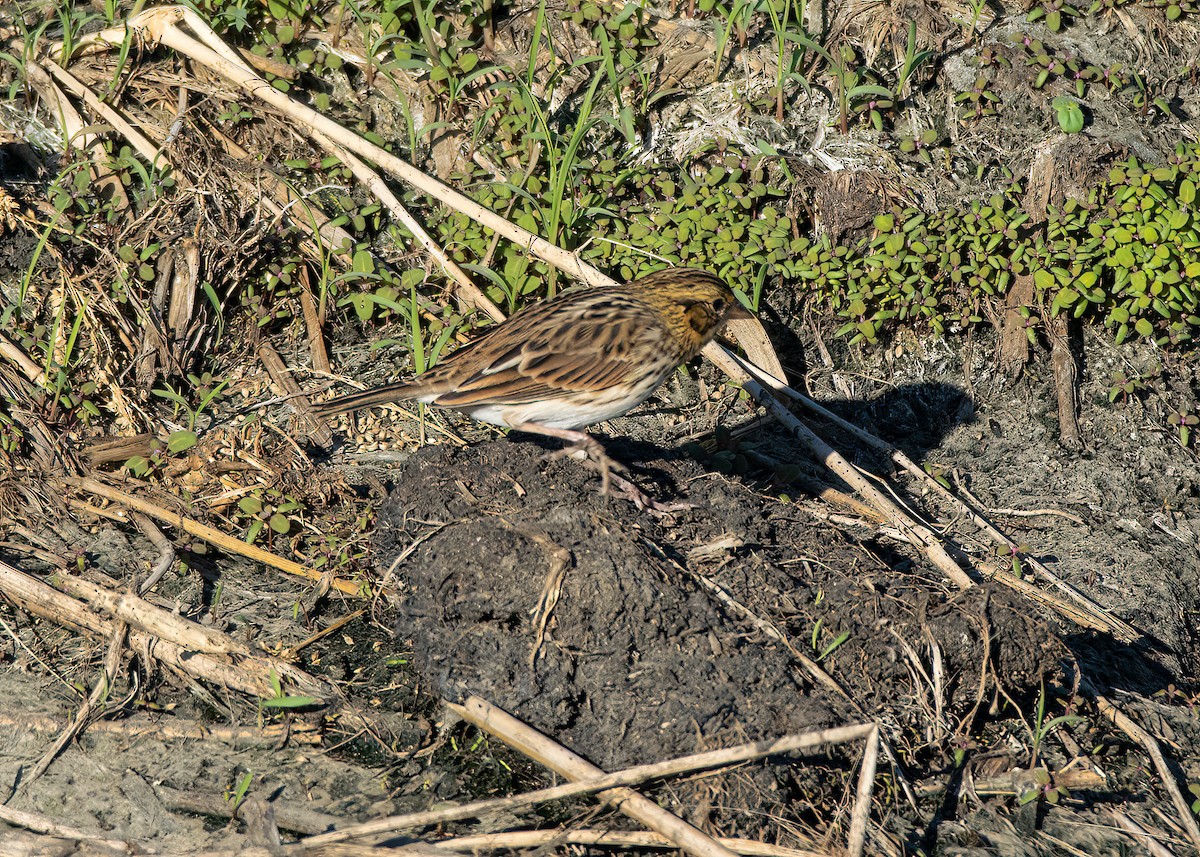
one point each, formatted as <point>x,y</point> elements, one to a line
<point>913,60</point>
<point>830,648</point>
<point>1053,12</point>
<point>1125,386</point>
<point>978,101</point>
<point>1044,789</point>
<point>237,795</point>
<point>272,513</point>
<point>1068,113</point>
<point>209,393</point>
<point>1045,726</point>
<point>737,19</point>
<point>1184,423</point>
<point>787,29</point>
<point>281,700</point>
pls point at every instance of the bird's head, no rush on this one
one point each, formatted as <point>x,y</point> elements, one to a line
<point>694,303</point>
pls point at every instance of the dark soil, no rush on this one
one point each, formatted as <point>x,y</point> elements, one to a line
<point>639,661</point>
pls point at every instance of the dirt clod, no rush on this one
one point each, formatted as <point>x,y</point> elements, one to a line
<point>639,659</point>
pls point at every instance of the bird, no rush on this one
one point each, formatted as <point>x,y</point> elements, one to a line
<point>587,355</point>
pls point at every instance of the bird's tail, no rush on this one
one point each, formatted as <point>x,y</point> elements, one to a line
<point>399,392</point>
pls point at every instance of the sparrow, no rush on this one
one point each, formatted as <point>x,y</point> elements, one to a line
<point>585,356</point>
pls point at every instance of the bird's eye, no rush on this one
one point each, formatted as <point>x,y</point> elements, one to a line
<point>719,305</point>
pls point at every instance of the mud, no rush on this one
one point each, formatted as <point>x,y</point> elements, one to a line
<point>639,659</point>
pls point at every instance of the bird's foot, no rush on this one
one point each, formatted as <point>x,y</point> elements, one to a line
<point>639,498</point>
<point>612,482</point>
<point>592,454</point>
<point>585,447</point>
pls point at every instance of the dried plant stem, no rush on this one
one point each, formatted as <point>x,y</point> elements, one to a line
<point>1186,818</point>
<point>292,651</point>
<point>593,784</point>
<point>313,323</point>
<point>637,839</point>
<point>139,727</point>
<point>861,814</point>
<point>209,534</point>
<point>13,353</point>
<point>920,535</point>
<point>247,674</point>
<point>44,824</point>
<point>1085,611</point>
<point>558,758</point>
<point>280,198</point>
<point>282,376</point>
<point>77,133</point>
<point>1021,780</point>
<point>973,509</point>
<point>100,691</point>
<point>137,140</point>
<point>287,815</point>
<point>140,613</point>
<point>166,552</point>
<point>468,291</point>
<point>1140,834</point>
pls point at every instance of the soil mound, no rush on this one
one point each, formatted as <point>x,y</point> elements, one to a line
<point>659,629</point>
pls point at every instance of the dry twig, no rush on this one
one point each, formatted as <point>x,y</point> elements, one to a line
<point>209,534</point>
<point>594,784</point>
<point>1186,818</point>
<point>623,839</point>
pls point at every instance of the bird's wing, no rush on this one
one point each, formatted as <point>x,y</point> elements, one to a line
<point>598,343</point>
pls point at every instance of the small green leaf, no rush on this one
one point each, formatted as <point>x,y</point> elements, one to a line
<point>289,702</point>
<point>181,440</point>
<point>280,523</point>
<point>363,263</point>
<point>363,306</point>
<point>1068,113</point>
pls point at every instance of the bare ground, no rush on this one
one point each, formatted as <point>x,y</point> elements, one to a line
<point>639,660</point>
<point>646,653</point>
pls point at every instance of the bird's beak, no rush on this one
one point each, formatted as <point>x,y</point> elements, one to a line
<point>738,311</point>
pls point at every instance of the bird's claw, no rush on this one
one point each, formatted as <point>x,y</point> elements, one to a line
<point>613,484</point>
<point>644,501</point>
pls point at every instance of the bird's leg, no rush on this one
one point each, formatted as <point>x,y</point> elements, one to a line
<point>608,467</point>
<point>580,441</point>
